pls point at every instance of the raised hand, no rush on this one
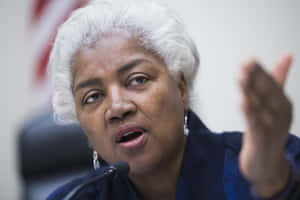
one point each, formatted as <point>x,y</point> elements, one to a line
<point>268,113</point>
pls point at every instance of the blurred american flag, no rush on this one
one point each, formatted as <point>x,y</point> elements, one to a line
<point>46,17</point>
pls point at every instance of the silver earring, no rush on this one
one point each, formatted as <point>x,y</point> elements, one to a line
<point>96,162</point>
<point>186,130</point>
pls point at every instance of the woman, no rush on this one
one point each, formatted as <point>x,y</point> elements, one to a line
<point>123,71</point>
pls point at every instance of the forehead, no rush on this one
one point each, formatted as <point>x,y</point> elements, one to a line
<point>111,51</point>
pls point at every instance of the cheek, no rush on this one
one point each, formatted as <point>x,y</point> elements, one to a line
<point>89,129</point>
<point>163,107</point>
<point>165,112</point>
<point>92,125</point>
<point>166,101</point>
<point>91,120</point>
<point>88,123</point>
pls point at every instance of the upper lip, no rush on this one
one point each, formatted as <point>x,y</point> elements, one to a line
<point>123,130</point>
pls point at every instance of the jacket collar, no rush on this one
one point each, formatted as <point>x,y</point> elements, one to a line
<point>203,160</point>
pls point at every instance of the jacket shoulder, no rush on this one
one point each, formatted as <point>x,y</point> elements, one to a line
<point>293,150</point>
<point>233,141</point>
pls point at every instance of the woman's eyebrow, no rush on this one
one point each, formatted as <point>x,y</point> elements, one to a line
<point>97,81</point>
<point>129,66</point>
<point>87,83</point>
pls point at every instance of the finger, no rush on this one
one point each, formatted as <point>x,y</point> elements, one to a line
<point>248,68</point>
<point>263,106</point>
<point>254,90</point>
<point>257,80</point>
<point>267,91</point>
<point>257,83</point>
<point>262,122</point>
<point>253,76</point>
<point>257,120</point>
<point>270,100</point>
<point>264,113</point>
<point>281,69</point>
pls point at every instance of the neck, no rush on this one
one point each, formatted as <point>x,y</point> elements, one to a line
<point>161,182</point>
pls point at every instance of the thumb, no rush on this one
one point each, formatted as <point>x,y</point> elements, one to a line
<point>281,69</point>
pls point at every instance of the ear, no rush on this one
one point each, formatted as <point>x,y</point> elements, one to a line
<point>183,89</point>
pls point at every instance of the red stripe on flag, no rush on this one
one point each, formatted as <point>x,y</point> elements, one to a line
<point>42,62</point>
<point>38,8</point>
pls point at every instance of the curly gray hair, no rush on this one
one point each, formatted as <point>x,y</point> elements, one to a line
<point>155,26</point>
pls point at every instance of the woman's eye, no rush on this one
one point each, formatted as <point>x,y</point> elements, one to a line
<point>91,98</point>
<point>139,80</point>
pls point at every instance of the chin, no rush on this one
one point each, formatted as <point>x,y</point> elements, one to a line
<point>142,167</point>
<point>139,169</point>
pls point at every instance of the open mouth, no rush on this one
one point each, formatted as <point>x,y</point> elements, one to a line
<point>130,136</point>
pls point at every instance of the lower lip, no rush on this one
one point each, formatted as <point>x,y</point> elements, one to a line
<point>135,143</point>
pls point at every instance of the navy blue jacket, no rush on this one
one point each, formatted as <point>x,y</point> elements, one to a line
<point>209,171</point>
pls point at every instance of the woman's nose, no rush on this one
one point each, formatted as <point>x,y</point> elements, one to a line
<point>119,107</point>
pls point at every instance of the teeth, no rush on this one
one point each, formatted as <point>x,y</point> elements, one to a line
<point>128,133</point>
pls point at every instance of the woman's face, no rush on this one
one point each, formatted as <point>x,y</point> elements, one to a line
<point>128,104</point>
